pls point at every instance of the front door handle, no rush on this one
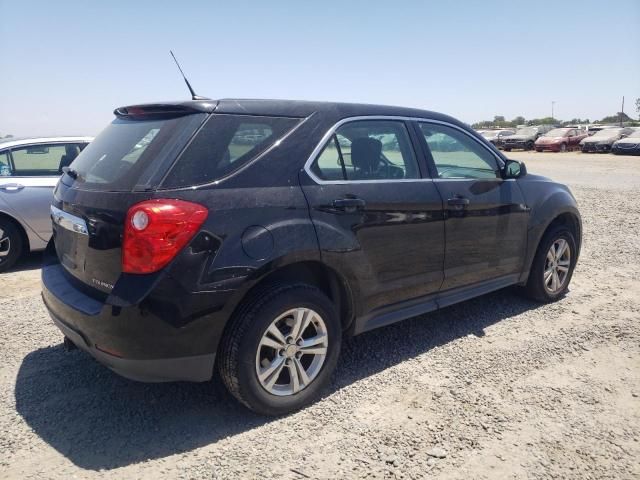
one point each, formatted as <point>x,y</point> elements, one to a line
<point>349,204</point>
<point>458,202</point>
<point>11,187</point>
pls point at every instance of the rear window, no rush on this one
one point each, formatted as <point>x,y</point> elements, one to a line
<point>224,144</point>
<point>133,153</point>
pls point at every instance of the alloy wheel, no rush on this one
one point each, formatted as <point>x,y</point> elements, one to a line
<point>557,264</point>
<point>292,351</point>
<point>5,244</point>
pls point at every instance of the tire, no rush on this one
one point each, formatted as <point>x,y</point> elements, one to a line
<point>11,244</point>
<point>528,146</point>
<point>537,288</point>
<point>563,148</point>
<point>242,353</point>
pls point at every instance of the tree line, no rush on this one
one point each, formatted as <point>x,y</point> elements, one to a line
<point>500,122</point>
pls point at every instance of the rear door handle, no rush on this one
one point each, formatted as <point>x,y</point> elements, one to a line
<point>458,202</point>
<point>349,204</point>
<point>11,187</point>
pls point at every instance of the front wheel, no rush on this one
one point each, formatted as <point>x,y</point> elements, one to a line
<point>10,244</point>
<point>281,348</point>
<point>563,147</point>
<point>552,266</point>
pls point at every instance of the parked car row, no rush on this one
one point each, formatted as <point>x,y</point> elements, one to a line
<point>619,140</point>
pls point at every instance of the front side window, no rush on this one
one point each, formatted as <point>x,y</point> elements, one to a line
<point>368,150</point>
<point>456,154</point>
<point>43,160</point>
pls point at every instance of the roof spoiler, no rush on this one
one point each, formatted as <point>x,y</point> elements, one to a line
<point>160,110</point>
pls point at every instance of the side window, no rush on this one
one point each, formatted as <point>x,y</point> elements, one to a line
<point>5,166</point>
<point>457,155</point>
<point>368,150</point>
<point>43,160</point>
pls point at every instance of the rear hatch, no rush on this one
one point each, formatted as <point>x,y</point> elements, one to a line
<point>121,167</point>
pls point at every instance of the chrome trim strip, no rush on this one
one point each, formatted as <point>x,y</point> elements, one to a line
<point>316,151</point>
<point>68,221</point>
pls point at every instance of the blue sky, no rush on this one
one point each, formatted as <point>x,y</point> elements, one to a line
<point>68,64</point>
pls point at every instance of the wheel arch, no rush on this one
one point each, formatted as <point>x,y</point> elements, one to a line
<point>310,272</point>
<point>569,217</point>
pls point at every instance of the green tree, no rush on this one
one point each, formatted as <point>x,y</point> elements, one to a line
<point>617,118</point>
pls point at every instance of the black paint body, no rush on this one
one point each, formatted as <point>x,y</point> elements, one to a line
<point>405,253</point>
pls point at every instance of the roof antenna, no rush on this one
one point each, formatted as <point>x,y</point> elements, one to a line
<point>193,94</point>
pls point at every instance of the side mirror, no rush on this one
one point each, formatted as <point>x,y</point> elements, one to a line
<point>514,169</point>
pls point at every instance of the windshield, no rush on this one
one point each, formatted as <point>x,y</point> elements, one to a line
<point>607,132</point>
<point>557,132</point>
<point>526,131</point>
<point>118,157</point>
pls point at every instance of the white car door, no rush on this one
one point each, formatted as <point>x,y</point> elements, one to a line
<point>26,186</point>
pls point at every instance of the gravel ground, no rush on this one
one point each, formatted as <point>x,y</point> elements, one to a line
<point>497,387</point>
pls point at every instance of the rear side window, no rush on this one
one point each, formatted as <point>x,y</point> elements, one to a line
<point>5,167</point>
<point>130,153</point>
<point>224,144</point>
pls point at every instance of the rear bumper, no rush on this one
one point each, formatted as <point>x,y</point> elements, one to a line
<point>133,341</point>
<point>193,369</point>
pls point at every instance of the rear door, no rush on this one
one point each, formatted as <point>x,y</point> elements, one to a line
<point>378,219</point>
<point>26,184</point>
<point>486,217</point>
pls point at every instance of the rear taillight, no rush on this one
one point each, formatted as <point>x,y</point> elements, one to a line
<point>156,230</point>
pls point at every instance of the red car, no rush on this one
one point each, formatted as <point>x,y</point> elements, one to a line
<point>560,140</point>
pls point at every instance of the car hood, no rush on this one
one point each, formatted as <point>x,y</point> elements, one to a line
<point>629,141</point>
<point>609,139</point>
<point>549,139</point>
<point>518,137</point>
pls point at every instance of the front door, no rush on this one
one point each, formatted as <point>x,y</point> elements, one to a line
<point>486,217</point>
<point>379,222</point>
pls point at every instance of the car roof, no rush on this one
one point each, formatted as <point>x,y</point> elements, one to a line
<point>297,108</point>
<point>18,142</point>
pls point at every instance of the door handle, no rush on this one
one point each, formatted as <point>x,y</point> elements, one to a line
<point>11,187</point>
<point>349,204</point>
<point>458,202</point>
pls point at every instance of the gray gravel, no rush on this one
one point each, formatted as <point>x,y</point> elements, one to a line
<point>497,387</point>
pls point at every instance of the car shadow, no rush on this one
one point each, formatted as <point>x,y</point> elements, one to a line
<point>30,261</point>
<point>99,420</point>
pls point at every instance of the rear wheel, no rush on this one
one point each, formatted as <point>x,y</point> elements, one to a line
<point>278,354</point>
<point>10,244</point>
<point>563,147</point>
<point>552,266</point>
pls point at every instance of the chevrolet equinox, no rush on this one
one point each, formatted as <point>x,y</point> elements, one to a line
<point>249,237</point>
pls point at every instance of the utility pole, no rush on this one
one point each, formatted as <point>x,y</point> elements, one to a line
<point>622,111</point>
<point>553,102</point>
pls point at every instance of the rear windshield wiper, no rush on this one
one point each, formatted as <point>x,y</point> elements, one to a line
<point>71,172</point>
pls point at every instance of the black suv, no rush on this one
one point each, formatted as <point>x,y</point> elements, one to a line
<point>251,236</point>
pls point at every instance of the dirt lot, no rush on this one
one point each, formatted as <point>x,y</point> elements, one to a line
<point>497,387</point>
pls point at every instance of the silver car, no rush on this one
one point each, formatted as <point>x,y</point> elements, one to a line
<point>29,170</point>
